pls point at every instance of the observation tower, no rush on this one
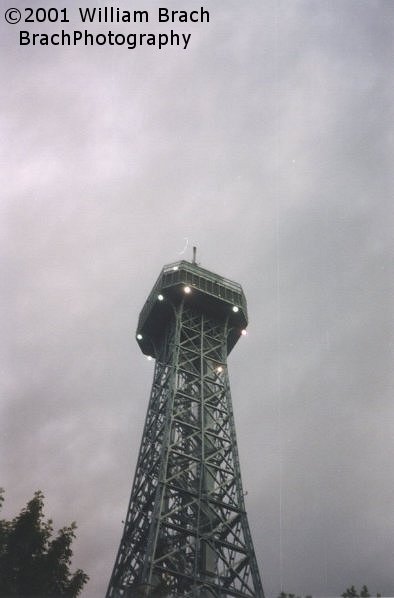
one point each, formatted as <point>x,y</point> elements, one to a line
<point>186,532</point>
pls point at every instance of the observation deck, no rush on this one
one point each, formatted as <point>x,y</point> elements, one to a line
<point>205,291</point>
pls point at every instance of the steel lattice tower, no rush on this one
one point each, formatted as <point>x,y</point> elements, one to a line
<point>186,531</point>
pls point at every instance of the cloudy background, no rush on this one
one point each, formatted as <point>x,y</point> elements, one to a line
<point>269,145</point>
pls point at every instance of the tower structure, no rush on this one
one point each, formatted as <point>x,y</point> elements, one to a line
<point>186,532</point>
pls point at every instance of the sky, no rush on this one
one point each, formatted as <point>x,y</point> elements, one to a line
<point>268,144</point>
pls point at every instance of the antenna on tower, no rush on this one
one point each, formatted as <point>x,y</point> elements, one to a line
<point>194,255</point>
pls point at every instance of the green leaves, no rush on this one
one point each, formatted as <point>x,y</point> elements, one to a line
<point>32,563</point>
<point>348,593</point>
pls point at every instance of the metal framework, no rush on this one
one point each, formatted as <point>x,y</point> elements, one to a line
<point>186,532</point>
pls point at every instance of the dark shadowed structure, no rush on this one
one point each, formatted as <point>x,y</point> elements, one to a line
<point>186,531</point>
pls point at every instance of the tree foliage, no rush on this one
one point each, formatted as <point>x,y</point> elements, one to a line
<point>284,595</point>
<point>32,562</point>
<point>348,593</point>
<point>353,593</point>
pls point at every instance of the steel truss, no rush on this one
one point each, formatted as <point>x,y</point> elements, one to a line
<point>186,532</point>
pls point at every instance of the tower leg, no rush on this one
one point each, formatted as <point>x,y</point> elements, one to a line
<point>186,532</point>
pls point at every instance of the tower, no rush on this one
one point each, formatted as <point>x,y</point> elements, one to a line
<point>186,532</point>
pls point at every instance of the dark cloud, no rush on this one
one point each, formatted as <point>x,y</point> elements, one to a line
<point>269,144</point>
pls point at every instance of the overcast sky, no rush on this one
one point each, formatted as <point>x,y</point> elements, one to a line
<point>268,143</point>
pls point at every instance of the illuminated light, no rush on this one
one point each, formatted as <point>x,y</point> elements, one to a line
<point>219,369</point>
<point>235,308</point>
<point>187,290</point>
<point>139,337</point>
<point>243,332</point>
<point>175,267</point>
<point>160,297</point>
<point>149,357</point>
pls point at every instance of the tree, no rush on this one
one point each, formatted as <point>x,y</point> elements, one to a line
<point>284,595</point>
<point>348,593</point>
<point>32,562</point>
<point>352,592</point>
